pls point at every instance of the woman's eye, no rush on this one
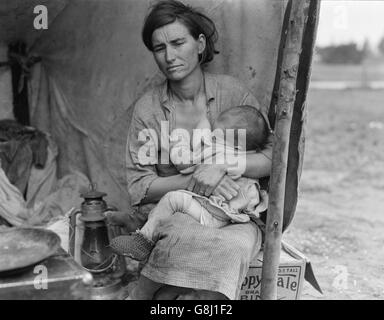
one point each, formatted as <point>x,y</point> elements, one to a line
<point>158,49</point>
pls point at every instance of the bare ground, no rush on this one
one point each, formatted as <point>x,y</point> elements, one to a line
<point>339,222</point>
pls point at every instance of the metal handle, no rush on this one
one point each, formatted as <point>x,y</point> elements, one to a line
<point>72,232</point>
<point>114,257</point>
<point>113,232</point>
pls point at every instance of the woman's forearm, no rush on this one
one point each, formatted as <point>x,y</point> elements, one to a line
<point>160,186</point>
<point>258,165</point>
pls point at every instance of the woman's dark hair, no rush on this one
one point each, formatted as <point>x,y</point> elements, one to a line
<point>168,11</point>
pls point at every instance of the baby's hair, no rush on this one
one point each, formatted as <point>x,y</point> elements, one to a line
<point>249,118</point>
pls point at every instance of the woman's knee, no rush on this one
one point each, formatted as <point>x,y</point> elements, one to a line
<point>247,241</point>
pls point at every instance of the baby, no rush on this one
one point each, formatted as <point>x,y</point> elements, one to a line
<point>218,147</point>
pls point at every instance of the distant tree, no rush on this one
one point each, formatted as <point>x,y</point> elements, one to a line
<point>367,50</point>
<point>381,46</point>
<point>342,54</point>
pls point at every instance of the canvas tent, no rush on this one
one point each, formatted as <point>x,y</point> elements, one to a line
<point>94,66</point>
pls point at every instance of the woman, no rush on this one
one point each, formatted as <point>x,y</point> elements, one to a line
<point>212,263</point>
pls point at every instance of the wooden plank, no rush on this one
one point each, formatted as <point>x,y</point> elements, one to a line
<point>276,86</point>
<point>297,133</point>
<point>285,106</point>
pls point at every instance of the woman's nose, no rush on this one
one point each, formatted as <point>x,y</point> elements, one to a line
<point>169,54</point>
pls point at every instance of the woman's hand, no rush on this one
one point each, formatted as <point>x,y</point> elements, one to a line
<point>207,177</point>
<point>227,188</point>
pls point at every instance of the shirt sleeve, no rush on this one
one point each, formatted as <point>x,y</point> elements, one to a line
<point>141,158</point>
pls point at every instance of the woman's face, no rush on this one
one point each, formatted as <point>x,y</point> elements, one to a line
<point>176,51</point>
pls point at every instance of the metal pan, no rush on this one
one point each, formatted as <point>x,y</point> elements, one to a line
<point>22,248</point>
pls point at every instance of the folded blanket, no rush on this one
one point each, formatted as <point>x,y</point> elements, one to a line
<point>195,256</point>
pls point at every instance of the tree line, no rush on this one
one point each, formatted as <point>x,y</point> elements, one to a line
<point>348,53</point>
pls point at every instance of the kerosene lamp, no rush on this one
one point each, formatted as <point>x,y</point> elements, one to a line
<point>96,256</point>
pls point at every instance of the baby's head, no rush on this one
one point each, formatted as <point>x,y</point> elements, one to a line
<point>248,118</point>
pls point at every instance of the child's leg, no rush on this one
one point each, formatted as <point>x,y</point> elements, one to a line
<point>178,201</point>
<point>172,202</point>
<point>207,219</point>
<point>139,245</point>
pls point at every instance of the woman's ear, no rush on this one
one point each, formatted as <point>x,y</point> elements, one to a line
<point>202,43</point>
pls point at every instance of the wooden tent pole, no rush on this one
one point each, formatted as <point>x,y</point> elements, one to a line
<point>285,104</point>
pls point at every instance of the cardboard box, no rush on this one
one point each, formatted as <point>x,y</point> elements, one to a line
<point>290,276</point>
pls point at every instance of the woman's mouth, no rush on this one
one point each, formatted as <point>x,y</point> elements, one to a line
<point>173,68</point>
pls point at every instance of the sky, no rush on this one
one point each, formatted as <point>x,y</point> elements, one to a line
<point>354,20</point>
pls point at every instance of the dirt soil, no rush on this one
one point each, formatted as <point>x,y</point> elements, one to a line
<point>339,222</point>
